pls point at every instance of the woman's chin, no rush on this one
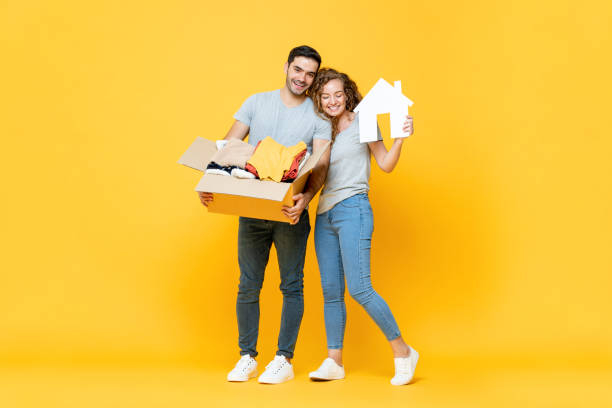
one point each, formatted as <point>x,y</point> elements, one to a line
<point>333,114</point>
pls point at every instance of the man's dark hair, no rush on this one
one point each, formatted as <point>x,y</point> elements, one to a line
<point>304,51</point>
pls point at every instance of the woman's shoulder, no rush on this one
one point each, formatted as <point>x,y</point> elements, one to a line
<point>350,135</point>
<point>354,122</point>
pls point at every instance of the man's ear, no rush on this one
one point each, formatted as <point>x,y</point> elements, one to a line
<point>286,67</point>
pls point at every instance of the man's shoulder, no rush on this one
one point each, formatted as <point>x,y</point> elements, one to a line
<point>308,102</point>
<point>319,119</point>
<point>310,109</point>
<point>265,96</point>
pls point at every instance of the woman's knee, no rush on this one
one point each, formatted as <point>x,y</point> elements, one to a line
<point>332,293</point>
<point>362,295</point>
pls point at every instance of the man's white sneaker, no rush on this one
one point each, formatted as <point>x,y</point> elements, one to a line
<point>245,369</point>
<point>404,368</point>
<point>329,370</point>
<point>279,370</point>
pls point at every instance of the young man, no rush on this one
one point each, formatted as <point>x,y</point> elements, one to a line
<point>288,116</point>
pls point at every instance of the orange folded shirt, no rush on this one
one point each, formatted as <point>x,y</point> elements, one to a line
<point>271,159</point>
<point>292,173</point>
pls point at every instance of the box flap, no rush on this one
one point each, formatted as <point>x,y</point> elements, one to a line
<point>312,161</point>
<point>269,190</point>
<point>199,154</point>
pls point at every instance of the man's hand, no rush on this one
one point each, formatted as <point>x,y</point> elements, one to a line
<point>294,213</point>
<point>205,198</point>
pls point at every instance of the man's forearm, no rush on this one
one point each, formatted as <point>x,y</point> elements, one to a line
<point>238,131</point>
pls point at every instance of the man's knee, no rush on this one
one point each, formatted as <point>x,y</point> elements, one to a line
<point>293,287</point>
<point>249,291</point>
<point>248,296</point>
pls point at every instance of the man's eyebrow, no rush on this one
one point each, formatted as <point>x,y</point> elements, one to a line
<point>302,69</point>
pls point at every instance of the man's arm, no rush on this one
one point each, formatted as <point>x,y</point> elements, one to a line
<point>238,130</point>
<point>315,182</point>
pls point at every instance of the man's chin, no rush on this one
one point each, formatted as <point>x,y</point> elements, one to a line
<point>297,93</point>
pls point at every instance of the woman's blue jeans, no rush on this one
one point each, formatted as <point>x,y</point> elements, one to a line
<point>343,237</point>
<point>255,238</point>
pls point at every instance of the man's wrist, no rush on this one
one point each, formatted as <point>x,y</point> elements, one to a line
<point>307,196</point>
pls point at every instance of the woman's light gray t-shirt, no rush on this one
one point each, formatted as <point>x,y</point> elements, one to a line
<point>349,168</point>
<point>266,115</point>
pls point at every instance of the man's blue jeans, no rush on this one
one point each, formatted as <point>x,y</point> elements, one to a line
<point>255,238</point>
<point>343,237</point>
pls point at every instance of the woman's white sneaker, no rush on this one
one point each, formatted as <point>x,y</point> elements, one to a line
<point>329,370</point>
<point>278,371</point>
<point>404,368</point>
<point>245,369</point>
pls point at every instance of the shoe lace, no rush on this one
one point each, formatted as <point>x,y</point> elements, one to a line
<point>327,364</point>
<point>244,363</point>
<point>403,365</point>
<point>276,364</point>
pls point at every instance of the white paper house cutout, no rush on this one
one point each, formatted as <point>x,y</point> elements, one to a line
<point>382,98</point>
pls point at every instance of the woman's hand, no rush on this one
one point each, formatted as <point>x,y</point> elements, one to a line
<point>408,126</point>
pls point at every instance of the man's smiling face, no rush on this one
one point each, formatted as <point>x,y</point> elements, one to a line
<point>300,74</point>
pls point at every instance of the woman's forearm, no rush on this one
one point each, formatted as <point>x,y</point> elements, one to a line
<point>391,157</point>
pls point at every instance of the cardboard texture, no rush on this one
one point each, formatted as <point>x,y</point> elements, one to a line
<point>245,197</point>
<point>382,98</point>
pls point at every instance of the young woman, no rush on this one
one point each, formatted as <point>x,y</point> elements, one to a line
<point>344,225</point>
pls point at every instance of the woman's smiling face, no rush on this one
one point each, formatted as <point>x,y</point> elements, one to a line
<point>333,98</point>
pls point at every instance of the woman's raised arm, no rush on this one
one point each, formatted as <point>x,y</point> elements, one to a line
<point>387,160</point>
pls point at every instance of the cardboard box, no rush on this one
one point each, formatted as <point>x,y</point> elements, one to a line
<point>245,197</point>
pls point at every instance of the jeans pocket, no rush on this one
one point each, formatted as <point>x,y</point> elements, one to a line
<point>351,202</point>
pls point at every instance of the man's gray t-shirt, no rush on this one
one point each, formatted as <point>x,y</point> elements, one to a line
<point>266,115</point>
<point>349,168</point>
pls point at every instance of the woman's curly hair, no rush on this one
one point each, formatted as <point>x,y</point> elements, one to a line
<point>353,97</point>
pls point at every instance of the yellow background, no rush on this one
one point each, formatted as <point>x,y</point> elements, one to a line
<point>492,236</point>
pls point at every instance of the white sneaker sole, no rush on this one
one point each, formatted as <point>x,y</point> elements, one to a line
<point>276,381</point>
<point>251,375</point>
<point>317,377</point>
